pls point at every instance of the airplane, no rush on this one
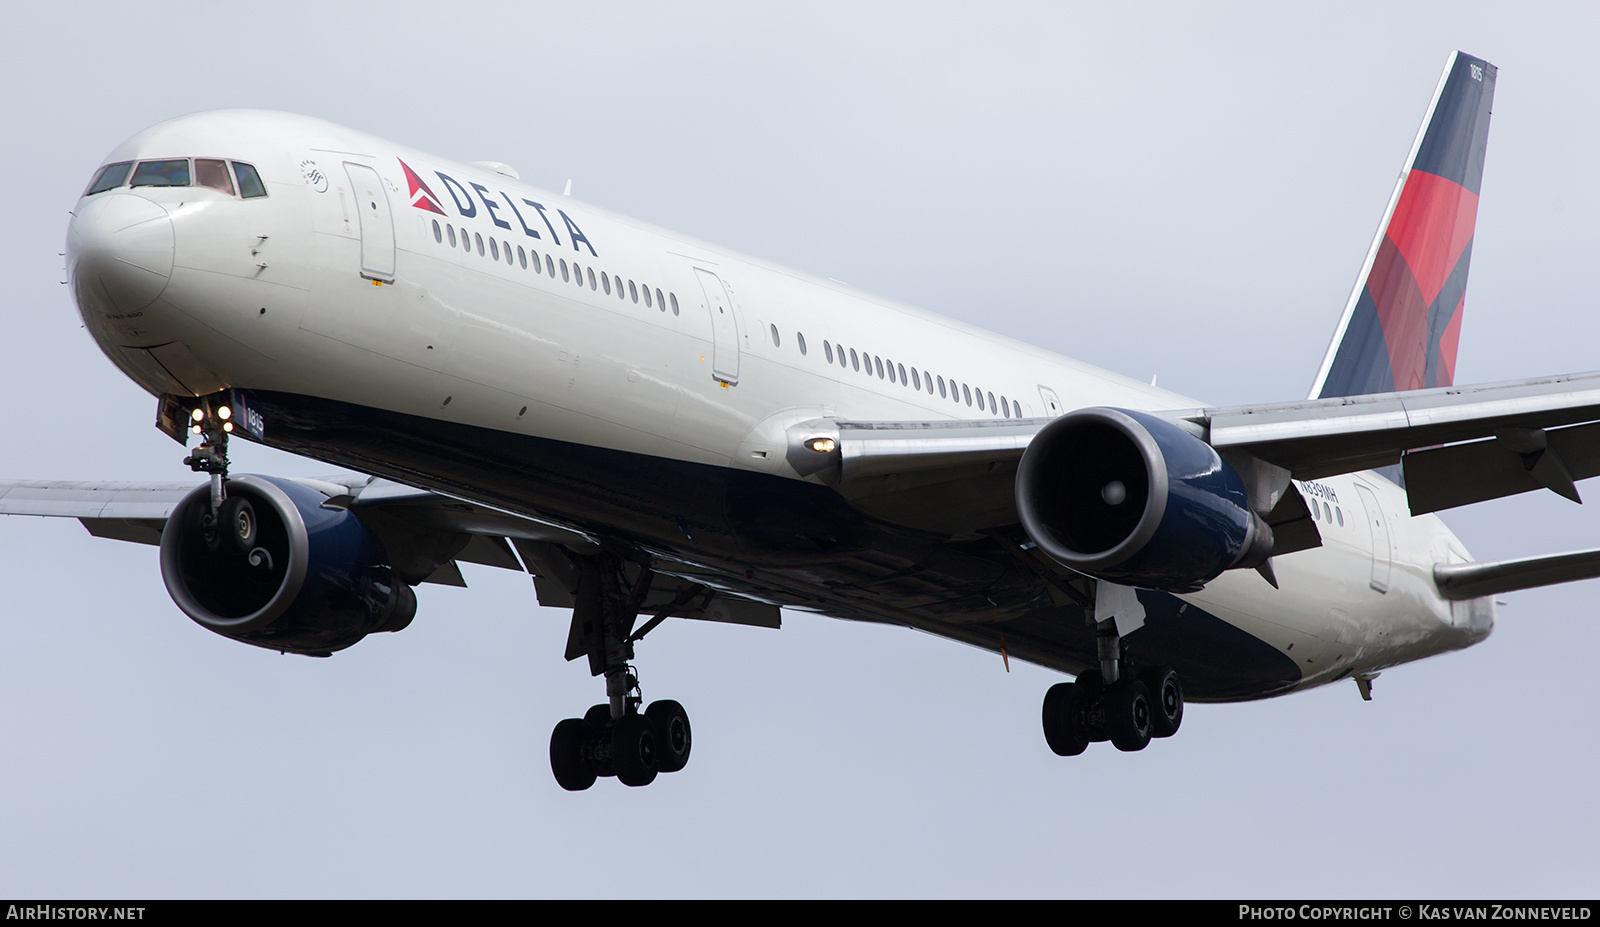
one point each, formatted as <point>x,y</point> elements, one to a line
<point>654,427</point>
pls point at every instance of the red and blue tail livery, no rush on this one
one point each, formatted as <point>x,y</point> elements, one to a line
<point>1403,322</point>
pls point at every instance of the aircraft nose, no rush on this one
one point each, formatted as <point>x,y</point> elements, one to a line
<point>119,249</point>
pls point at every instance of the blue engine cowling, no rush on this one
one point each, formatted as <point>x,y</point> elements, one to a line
<point>1133,498</point>
<point>280,571</point>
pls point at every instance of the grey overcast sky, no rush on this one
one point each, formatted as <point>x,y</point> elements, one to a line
<point>1184,190</point>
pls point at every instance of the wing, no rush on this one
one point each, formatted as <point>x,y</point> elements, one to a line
<point>426,534</point>
<point>1456,445</point>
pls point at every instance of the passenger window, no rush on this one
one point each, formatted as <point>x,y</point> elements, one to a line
<point>854,362</point>
<point>800,341</point>
<point>646,296</point>
<point>991,403</point>
<point>209,172</point>
<point>879,361</point>
<point>451,230</point>
<point>902,368</point>
<point>438,233</point>
<point>494,248</point>
<point>916,381</point>
<point>967,392</point>
<point>827,350</point>
<point>1005,407</point>
<point>250,185</point>
<point>162,173</point>
<point>550,266</point>
<point>522,257</point>
<point>674,304</point>
<point>660,303</point>
<point>605,282</point>
<point>774,328</point>
<point>565,277</point>
<point>633,291</point>
<point>1016,407</point>
<point>980,400</point>
<point>480,243</point>
<point>941,388</point>
<point>890,366</point>
<point>1340,514</point>
<point>592,285</point>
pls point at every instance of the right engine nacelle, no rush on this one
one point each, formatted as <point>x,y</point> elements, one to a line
<point>1132,498</point>
<point>278,570</point>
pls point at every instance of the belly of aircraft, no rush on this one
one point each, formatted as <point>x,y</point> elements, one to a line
<point>794,543</point>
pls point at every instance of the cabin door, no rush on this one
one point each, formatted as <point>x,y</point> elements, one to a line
<point>1382,553</point>
<point>377,224</point>
<point>724,328</point>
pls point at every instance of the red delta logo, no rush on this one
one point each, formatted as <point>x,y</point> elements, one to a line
<point>421,196</point>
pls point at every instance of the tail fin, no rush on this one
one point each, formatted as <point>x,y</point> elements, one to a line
<point>1401,326</point>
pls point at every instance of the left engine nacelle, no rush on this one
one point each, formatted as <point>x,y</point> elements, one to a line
<point>1133,498</point>
<point>278,570</point>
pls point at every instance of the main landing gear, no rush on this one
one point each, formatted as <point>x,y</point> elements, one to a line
<point>1112,703</point>
<point>1127,712</point>
<point>634,747</point>
<point>616,738</point>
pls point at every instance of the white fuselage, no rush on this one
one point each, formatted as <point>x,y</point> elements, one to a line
<point>301,292</point>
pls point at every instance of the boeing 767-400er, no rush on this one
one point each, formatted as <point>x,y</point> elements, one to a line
<point>656,427</point>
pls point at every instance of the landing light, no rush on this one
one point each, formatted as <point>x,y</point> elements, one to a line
<point>198,414</point>
<point>225,413</point>
<point>227,426</point>
<point>822,445</point>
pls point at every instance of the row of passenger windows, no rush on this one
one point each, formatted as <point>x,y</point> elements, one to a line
<point>1327,515</point>
<point>918,380</point>
<point>497,250</point>
<point>181,172</point>
<point>573,273</point>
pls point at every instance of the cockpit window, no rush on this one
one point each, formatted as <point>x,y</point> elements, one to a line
<point>249,181</point>
<point>110,177</point>
<point>214,174</point>
<point>162,173</point>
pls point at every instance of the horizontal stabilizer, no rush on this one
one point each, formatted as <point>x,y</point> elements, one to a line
<point>1475,580</point>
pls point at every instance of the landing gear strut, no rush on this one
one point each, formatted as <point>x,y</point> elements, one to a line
<point>214,423</point>
<point>616,738</point>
